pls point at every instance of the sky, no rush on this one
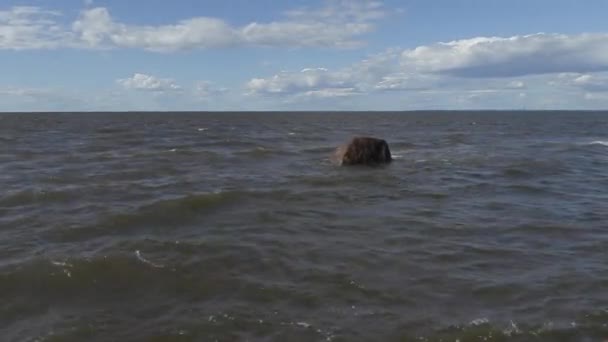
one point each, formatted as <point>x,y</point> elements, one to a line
<point>228,55</point>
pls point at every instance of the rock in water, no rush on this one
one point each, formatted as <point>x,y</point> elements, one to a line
<point>364,151</point>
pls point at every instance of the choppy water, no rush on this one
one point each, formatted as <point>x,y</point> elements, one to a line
<point>236,226</point>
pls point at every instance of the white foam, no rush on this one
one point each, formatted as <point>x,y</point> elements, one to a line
<point>328,335</point>
<point>303,324</point>
<point>599,142</point>
<point>399,153</point>
<point>146,261</point>
<point>63,264</point>
<point>513,329</point>
<point>479,321</point>
<point>60,263</point>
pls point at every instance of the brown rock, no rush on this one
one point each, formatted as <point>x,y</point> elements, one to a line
<point>363,151</point>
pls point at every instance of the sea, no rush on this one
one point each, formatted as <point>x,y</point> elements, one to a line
<point>487,226</point>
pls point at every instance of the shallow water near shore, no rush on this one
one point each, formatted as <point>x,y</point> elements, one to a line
<point>237,226</point>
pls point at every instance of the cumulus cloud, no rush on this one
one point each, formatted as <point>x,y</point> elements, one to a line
<point>97,28</point>
<point>145,82</point>
<point>309,82</point>
<point>514,56</point>
<point>309,79</point>
<point>339,24</point>
<point>358,78</point>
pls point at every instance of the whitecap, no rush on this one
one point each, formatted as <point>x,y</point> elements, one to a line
<point>146,261</point>
<point>303,324</point>
<point>511,330</point>
<point>479,321</point>
<point>399,154</point>
<point>59,263</point>
<point>65,266</point>
<point>599,142</point>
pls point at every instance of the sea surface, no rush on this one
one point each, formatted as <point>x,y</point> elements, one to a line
<point>487,226</point>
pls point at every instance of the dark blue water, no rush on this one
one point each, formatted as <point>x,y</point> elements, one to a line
<point>237,226</point>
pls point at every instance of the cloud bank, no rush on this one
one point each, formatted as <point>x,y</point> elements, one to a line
<point>484,57</point>
<point>339,24</point>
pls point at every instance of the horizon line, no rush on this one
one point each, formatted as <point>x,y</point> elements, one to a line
<point>301,111</point>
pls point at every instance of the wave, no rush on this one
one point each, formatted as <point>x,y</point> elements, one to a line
<point>187,204</point>
<point>181,209</point>
<point>27,197</point>
<point>400,153</point>
<point>227,143</point>
<point>162,213</point>
<point>146,261</point>
<point>319,149</point>
<point>43,277</point>
<point>236,302</point>
<point>533,168</point>
<point>225,324</point>
<point>589,327</point>
<point>261,152</point>
<point>112,130</point>
<point>565,144</point>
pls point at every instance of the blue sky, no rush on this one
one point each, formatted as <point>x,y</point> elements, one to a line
<point>76,55</point>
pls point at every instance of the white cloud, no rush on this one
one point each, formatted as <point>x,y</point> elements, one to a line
<point>596,82</point>
<point>329,93</point>
<point>309,79</point>
<point>30,27</point>
<point>93,26</point>
<point>97,28</point>
<point>514,56</point>
<point>592,83</point>
<point>335,25</point>
<point>341,11</point>
<point>339,24</point>
<point>406,82</point>
<point>145,82</point>
<point>358,78</point>
<point>516,85</point>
